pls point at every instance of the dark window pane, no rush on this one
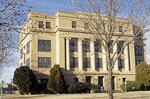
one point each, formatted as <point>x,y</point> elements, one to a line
<point>44,45</point>
<point>100,80</point>
<point>120,28</point>
<point>21,53</point>
<point>120,46</point>
<point>86,25</point>
<point>110,45</point>
<point>86,63</point>
<point>74,45</point>
<point>88,79</point>
<point>86,46</point>
<point>121,63</point>
<point>138,50</point>
<point>40,24</point>
<point>98,62</point>
<point>73,24</point>
<point>75,80</point>
<point>73,62</point>
<point>28,62</point>
<point>97,46</point>
<point>48,25</point>
<point>28,47</point>
<point>44,62</point>
<point>138,62</point>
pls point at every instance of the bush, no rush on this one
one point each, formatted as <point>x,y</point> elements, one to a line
<point>95,88</point>
<point>132,86</point>
<point>143,73</point>
<point>72,88</point>
<point>24,79</point>
<point>38,88</point>
<point>81,87</point>
<point>56,80</point>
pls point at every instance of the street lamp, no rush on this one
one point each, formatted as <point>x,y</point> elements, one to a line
<point>2,90</point>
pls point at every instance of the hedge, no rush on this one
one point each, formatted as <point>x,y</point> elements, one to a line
<point>131,86</point>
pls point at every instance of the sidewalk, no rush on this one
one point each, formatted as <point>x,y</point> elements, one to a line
<point>127,95</point>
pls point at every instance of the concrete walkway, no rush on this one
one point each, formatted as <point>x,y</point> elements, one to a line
<point>127,95</point>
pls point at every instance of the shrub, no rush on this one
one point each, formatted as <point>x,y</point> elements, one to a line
<point>143,73</point>
<point>132,86</point>
<point>72,88</point>
<point>56,80</point>
<point>24,79</point>
<point>81,87</point>
<point>95,88</point>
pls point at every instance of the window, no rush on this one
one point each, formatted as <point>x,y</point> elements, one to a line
<point>28,47</point>
<point>28,62</point>
<point>86,25</point>
<point>44,45</point>
<point>74,45</point>
<point>44,62</point>
<point>86,63</point>
<point>120,28</point>
<point>121,63</point>
<point>138,62</point>
<point>42,81</point>
<point>73,62</point>
<point>110,45</point>
<point>123,80</point>
<point>98,26</point>
<point>111,61</point>
<point>40,24</point>
<point>21,53</point>
<point>98,62</point>
<point>73,24</point>
<point>120,46</point>
<point>48,25</point>
<point>138,50</point>
<point>88,79</point>
<point>86,45</point>
<point>97,46</point>
<point>75,80</point>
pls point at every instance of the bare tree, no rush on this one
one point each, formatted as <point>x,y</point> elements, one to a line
<point>112,20</point>
<point>11,17</point>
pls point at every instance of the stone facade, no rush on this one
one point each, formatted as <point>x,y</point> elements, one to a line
<point>58,31</point>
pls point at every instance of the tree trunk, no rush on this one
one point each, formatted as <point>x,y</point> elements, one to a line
<point>109,81</point>
<point>110,90</point>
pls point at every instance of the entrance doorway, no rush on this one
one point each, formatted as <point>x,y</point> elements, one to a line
<point>88,79</point>
<point>100,80</point>
<point>113,83</point>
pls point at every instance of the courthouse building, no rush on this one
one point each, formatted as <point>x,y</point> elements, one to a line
<point>62,39</point>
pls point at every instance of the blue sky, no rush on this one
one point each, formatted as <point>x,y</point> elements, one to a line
<point>49,7</point>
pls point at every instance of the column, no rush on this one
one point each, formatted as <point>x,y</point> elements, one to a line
<point>144,49</point>
<point>80,60</point>
<point>92,52</point>
<point>104,59</point>
<point>132,56</point>
<point>67,53</point>
<point>126,59</point>
<point>116,63</point>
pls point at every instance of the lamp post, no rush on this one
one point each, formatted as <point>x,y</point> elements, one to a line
<point>2,90</point>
